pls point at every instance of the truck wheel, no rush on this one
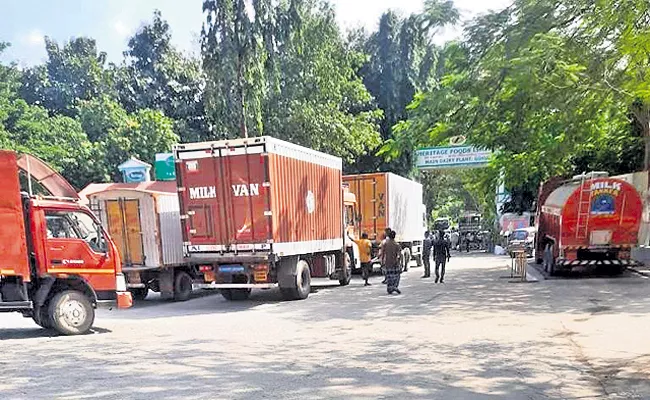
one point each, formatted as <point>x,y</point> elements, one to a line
<point>182,286</point>
<point>71,313</point>
<point>236,294</point>
<point>139,294</point>
<point>347,270</point>
<point>41,317</point>
<point>302,283</point>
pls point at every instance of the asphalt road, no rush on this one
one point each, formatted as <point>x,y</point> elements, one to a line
<point>478,336</point>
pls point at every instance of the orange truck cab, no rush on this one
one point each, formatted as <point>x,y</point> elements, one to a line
<point>57,263</point>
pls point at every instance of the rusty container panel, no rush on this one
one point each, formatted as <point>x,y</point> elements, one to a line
<point>259,194</point>
<point>13,241</point>
<point>372,203</point>
<point>226,197</point>
<point>306,199</point>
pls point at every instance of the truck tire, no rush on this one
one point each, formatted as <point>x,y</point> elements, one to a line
<point>236,294</point>
<point>139,294</point>
<point>71,313</point>
<point>302,283</point>
<point>347,270</point>
<point>182,286</point>
<point>41,317</point>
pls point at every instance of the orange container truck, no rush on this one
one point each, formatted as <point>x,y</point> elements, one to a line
<point>261,213</point>
<point>58,264</point>
<point>386,200</point>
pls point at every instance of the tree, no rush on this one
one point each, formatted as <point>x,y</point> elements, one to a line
<point>234,56</point>
<point>401,62</point>
<point>118,135</point>
<point>320,101</point>
<point>286,71</point>
<point>157,76</point>
<point>73,72</point>
<point>539,83</point>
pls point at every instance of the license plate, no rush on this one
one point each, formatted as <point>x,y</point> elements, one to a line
<point>230,269</point>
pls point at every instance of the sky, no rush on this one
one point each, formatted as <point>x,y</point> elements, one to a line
<point>24,23</point>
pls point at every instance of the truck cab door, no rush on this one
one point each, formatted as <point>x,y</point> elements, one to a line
<point>75,243</point>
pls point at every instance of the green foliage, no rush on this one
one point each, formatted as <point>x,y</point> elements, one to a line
<point>119,136</point>
<point>402,61</point>
<point>157,76</point>
<point>286,73</point>
<point>548,86</point>
<point>74,72</point>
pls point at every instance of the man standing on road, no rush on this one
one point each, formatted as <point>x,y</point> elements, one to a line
<point>455,239</point>
<point>391,258</point>
<point>441,255</point>
<point>365,248</point>
<point>387,232</point>
<point>426,254</point>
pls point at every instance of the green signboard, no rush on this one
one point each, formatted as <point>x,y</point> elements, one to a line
<point>452,157</point>
<point>165,167</point>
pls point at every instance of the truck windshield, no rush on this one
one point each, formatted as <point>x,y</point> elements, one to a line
<point>75,225</point>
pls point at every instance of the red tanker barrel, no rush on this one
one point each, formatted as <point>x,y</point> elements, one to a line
<point>600,212</point>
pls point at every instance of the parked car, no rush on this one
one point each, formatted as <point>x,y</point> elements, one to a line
<point>522,239</point>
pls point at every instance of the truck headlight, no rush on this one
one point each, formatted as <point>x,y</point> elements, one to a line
<point>120,283</point>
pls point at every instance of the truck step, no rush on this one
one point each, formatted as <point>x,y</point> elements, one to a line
<point>15,305</point>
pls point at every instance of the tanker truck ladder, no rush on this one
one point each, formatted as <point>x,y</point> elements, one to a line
<point>584,205</point>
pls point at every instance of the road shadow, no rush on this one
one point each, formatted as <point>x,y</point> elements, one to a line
<point>201,371</point>
<point>480,289</point>
<point>37,332</point>
<point>211,303</point>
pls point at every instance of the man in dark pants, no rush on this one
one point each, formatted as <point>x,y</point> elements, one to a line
<point>387,232</point>
<point>441,255</point>
<point>365,250</point>
<point>426,254</point>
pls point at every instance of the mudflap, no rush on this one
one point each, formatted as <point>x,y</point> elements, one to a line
<point>166,282</point>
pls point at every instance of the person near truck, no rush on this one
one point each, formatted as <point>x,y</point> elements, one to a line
<point>365,249</point>
<point>392,260</point>
<point>426,254</point>
<point>441,255</point>
<point>387,232</point>
<point>455,239</point>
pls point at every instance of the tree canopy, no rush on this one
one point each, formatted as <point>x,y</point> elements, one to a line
<point>551,87</point>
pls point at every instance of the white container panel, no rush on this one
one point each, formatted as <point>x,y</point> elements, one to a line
<point>170,230</point>
<point>405,209</point>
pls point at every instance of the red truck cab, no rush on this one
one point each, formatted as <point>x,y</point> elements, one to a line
<point>58,264</point>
